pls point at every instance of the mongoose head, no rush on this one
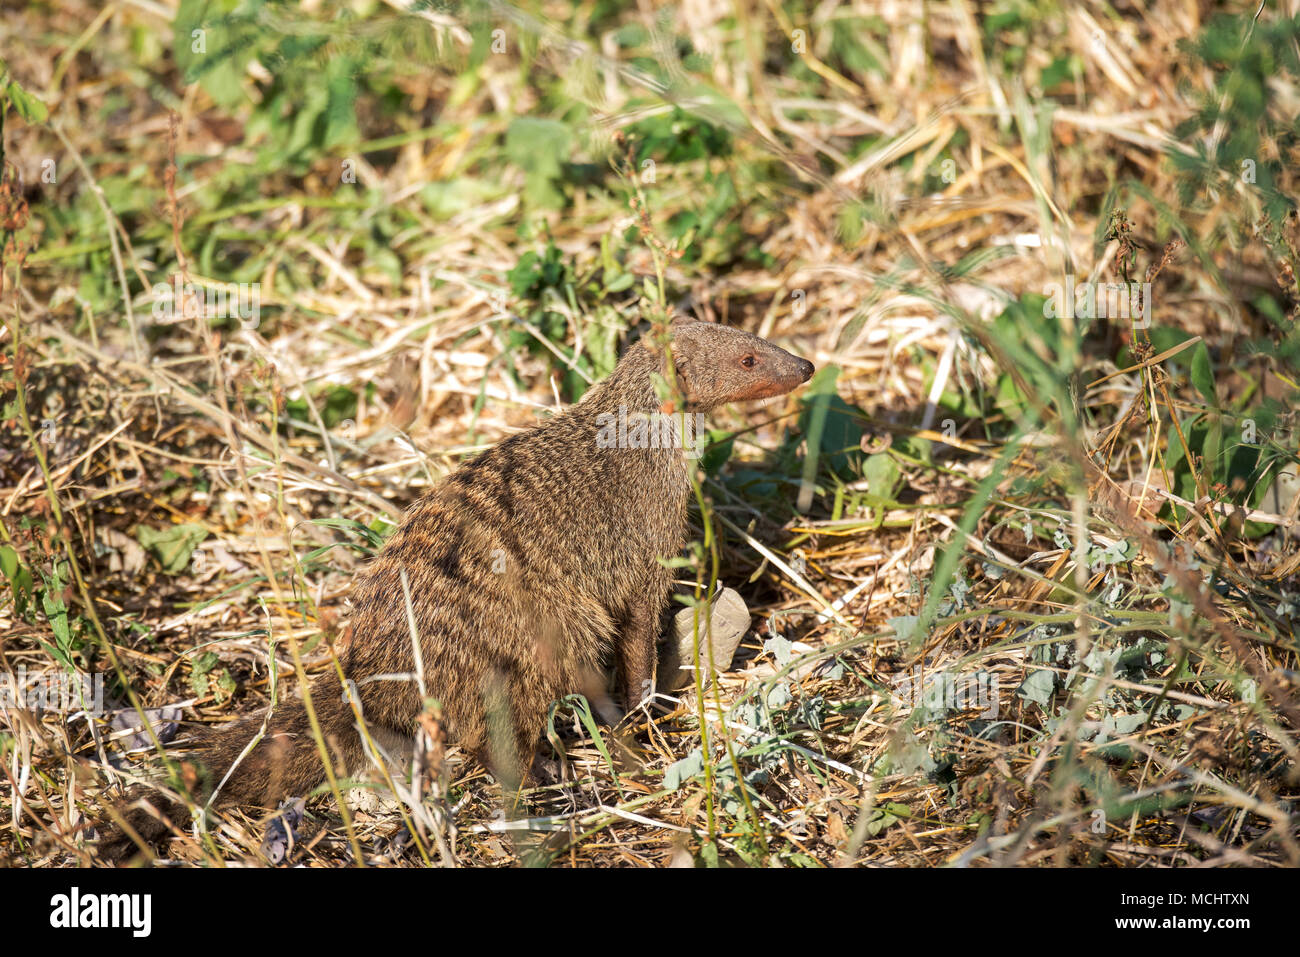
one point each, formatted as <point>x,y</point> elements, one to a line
<point>716,365</point>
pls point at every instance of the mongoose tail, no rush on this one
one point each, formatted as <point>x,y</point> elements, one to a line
<point>285,763</point>
<point>527,568</point>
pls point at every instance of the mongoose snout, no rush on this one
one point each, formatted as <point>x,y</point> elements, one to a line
<point>795,374</point>
<point>527,567</point>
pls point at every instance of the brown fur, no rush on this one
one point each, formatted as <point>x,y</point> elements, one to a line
<point>527,566</point>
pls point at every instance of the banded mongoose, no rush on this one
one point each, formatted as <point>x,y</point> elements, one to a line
<point>527,566</point>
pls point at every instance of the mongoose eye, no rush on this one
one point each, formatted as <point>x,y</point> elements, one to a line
<point>748,362</point>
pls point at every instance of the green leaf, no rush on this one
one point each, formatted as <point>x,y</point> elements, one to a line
<point>27,105</point>
<point>8,562</point>
<point>372,537</point>
<point>779,696</point>
<point>680,772</point>
<point>718,450</point>
<point>709,854</point>
<point>1038,687</point>
<point>883,476</point>
<point>56,611</point>
<point>340,104</point>
<point>620,282</point>
<point>781,650</point>
<point>213,46</point>
<point>905,626</point>
<point>171,546</point>
<point>20,578</point>
<point>1202,374</point>
<point>539,147</point>
<point>885,815</point>
<point>1128,723</point>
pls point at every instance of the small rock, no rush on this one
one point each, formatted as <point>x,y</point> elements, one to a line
<point>374,801</point>
<point>130,732</point>
<point>282,832</point>
<point>730,621</point>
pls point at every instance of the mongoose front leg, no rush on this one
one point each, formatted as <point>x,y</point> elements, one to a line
<point>636,653</point>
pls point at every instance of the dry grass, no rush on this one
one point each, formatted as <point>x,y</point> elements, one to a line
<point>886,215</point>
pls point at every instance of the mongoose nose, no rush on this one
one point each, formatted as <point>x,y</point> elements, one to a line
<point>806,369</point>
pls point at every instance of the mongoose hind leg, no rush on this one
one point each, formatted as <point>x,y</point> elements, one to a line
<point>503,734</point>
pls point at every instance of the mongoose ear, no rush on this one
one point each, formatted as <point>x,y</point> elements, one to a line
<point>682,368</point>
